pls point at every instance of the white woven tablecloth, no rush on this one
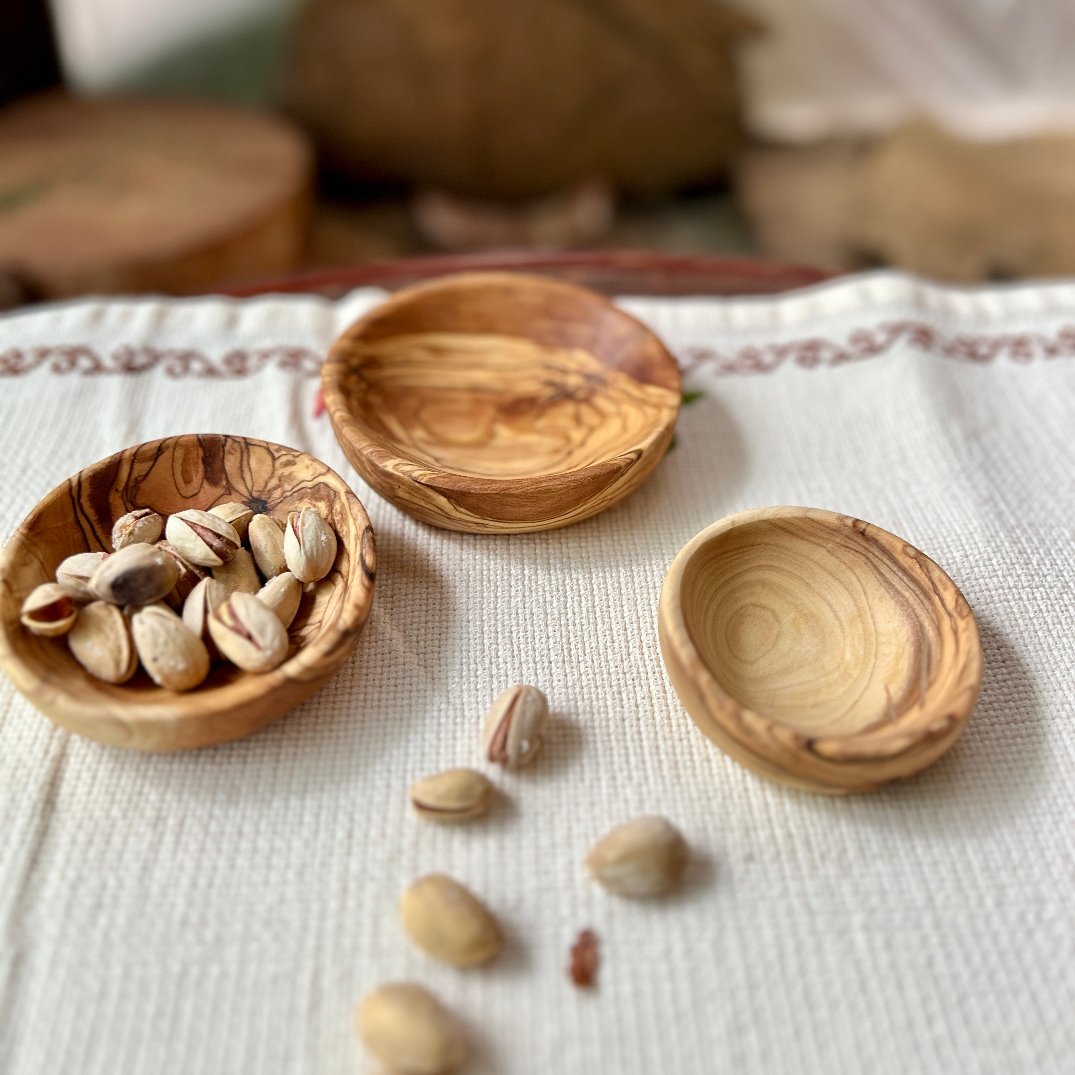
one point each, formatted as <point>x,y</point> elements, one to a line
<point>222,911</point>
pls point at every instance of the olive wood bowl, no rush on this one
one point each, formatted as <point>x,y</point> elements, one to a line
<point>167,476</point>
<point>817,649</point>
<point>501,402</point>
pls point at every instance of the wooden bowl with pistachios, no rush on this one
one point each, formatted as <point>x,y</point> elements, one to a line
<point>185,591</point>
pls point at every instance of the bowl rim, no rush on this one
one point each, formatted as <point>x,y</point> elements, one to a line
<point>386,459</point>
<point>752,731</point>
<point>307,663</point>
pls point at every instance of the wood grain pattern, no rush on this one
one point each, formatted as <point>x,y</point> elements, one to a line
<point>817,649</point>
<point>495,402</point>
<point>119,195</point>
<point>167,476</point>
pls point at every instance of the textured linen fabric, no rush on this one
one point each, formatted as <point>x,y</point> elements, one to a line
<point>222,911</point>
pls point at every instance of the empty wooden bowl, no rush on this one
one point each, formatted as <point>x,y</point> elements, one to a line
<point>499,402</point>
<point>819,650</point>
<point>192,471</point>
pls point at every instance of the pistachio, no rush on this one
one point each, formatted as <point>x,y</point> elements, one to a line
<point>239,515</point>
<point>202,600</point>
<point>136,575</point>
<point>282,594</point>
<point>454,795</point>
<point>143,525</point>
<point>248,633</point>
<point>514,725</point>
<point>267,545</point>
<point>48,610</point>
<point>448,922</point>
<point>174,656</point>
<point>309,545</point>
<point>409,1031</point>
<point>204,539</point>
<point>643,857</point>
<point>101,642</point>
<point>75,572</point>
<point>238,575</point>
<point>189,577</point>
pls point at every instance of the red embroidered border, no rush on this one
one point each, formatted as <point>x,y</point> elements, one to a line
<point>808,353</point>
<point>175,362</point>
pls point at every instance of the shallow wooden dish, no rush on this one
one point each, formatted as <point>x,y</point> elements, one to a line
<point>168,475</point>
<point>818,650</point>
<point>500,402</point>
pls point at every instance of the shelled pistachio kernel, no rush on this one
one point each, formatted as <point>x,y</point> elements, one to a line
<point>173,655</point>
<point>101,642</point>
<point>309,545</point>
<point>239,515</point>
<point>454,795</point>
<point>238,575</point>
<point>409,1031</point>
<point>75,572</point>
<point>267,545</point>
<point>140,526</point>
<point>642,857</point>
<point>48,610</point>
<point>248,633</point>
<point>136,575</point>
<point>448,922</point>
<point>203,539</point>
<point>282,594</point>
<point>513,727</point>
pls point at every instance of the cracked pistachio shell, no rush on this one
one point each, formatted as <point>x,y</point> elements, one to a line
<point>513,728</point>
<point>454,795</point>
<point>282,594</point>
<point>239,515</point>
<point>48,610</point>
<point>409,1031</point>
<point>136,575</point>
<point>309,545</point>
<point>239,575</point>
<point>203,539</point>
<point>75,572</point>
<point>101,642</point>
<point>174,656</point>
<point>189,577</point>
<point>267,545</point>
<point>140,526</point>
<point>448,922</point>
<point>206,596</point>
<point>248,633</point>
<point>640,858</point>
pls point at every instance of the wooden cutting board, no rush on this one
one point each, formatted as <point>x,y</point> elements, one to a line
<point>120,195</point>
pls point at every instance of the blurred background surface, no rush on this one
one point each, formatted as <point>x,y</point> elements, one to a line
<point>931,135</point>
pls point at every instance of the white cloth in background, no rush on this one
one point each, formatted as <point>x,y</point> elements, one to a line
<point>221,911</point>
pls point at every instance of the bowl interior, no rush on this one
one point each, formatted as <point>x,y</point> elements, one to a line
<point>505,376</point>
<point>815,623</point>
<point>167,476</point>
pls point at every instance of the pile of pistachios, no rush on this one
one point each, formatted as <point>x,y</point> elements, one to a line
<point>176,603</point>
<point>403,1024</point>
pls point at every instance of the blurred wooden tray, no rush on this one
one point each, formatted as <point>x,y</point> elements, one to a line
<point>610,272</point>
